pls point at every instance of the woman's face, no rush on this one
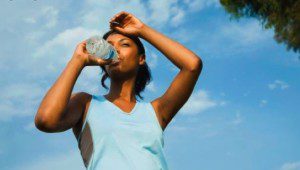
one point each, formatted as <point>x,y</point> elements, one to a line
<point>129,60</point>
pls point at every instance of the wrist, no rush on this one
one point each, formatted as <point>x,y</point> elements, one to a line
<point>78,61</point>
<point>143,30</point>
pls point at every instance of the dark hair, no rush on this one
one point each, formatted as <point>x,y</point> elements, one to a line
<point>144,74</point>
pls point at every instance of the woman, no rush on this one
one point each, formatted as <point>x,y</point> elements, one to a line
<point>115,131</point>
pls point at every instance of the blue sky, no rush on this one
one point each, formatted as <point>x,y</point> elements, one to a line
<point>243,113</point>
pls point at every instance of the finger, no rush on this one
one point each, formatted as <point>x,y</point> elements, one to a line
<point>94,60</point>
<point>118,17</point>
<point>113,26</point>
<point>121,17</point>
<point>113,23</point>
<point>82,44</point>
<point>126,20</point>
<point>119,14</point>
<point>124,12</point>
<point>128,17</point>
<point>118,29</point>
<point>99,61</point>
<point>114,17</point>
<point>104,62</point>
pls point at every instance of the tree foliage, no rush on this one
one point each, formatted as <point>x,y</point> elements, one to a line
<point>282,15</point>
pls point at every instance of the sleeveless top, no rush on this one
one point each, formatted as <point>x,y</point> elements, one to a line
<point>112,139</point>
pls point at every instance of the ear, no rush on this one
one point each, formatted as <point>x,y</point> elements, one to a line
<point>142,59</point>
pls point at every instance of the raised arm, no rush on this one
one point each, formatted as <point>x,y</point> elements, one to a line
<point>190,65</point>
<point>182,86</point>
<point>59,110</point>
<point>179,55</point>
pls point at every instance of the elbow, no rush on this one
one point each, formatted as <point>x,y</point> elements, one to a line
<point>197,65</point>
<point>43,124</point>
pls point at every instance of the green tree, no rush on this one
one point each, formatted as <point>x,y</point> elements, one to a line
<point>282,15</point>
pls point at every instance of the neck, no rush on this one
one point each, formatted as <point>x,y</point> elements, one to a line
<point>122,89</point>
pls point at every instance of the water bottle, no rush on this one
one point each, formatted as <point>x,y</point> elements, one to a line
<point>99,47</point>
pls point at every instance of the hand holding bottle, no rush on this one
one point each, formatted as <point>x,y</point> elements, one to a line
<point>99,47</point>
<point>82,55</point>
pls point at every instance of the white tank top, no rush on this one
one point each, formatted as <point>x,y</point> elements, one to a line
<point>112,139</point>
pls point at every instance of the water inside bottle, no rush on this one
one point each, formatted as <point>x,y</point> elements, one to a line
<point>113,54</point>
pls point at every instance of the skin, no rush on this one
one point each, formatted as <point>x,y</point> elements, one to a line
<point>60,110</point>
<point>124,74</point>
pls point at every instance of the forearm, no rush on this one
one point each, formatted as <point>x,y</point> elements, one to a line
<point>180,56</point>
<point>57,97</point>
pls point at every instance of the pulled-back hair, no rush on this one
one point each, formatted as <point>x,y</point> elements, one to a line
<point>143,75</point>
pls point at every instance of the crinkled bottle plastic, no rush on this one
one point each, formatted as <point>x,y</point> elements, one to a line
<point>99,47</point>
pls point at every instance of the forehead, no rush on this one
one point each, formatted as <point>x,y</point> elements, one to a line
<point>116,37</point>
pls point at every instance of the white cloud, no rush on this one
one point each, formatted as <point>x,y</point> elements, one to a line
<point>244,34</point>
<point>197,5</point>
<point>233,39</point>
<point>291,166</point>
<point>178,17</point>
<point>30,20</point>
<point>67,160</point>
<point>278,84</point>
<point>19,100</point>
<point>54,54</point>
<point>223,103</point>
<point>171,11</point>
<point>92,17</point>
<point>198,102</point>
<point>156,13</point>
<point>263,103</point>
<point>47,15</point>
<point>34,37</point>
<point>65,41</point>
<point>237,120</point>
<point>153,60</point>
<point>151,87</point>
<point>161,11</point>
<point>50,14</point>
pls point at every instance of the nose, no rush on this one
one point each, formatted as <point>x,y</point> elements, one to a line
<point>117,49</point>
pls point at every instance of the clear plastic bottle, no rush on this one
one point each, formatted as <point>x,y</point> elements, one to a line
<point>99,47</point>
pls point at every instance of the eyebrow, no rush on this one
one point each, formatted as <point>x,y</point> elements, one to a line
<point>119,40</point>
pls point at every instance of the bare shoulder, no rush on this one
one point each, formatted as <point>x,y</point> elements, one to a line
<point>85,99</point>
<point>81,95</point>
<point>157,108</point>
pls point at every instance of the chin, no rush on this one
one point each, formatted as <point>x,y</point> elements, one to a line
<point>120,74</point>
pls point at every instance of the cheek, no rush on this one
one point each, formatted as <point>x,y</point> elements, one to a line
<point>128,53</point>
<point>130,58</point>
